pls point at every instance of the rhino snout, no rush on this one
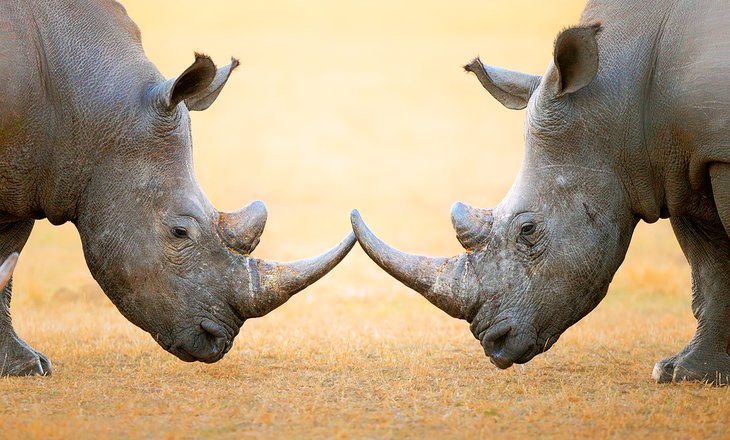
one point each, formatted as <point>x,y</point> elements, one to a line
<point>208,343</point>
<point>505,344</point>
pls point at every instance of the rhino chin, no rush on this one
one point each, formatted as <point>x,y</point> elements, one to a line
<point>506,343</point>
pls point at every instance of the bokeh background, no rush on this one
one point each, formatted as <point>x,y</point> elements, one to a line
<point>340,105</point>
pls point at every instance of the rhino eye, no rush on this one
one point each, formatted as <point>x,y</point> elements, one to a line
<point>180,232</point>
<point>527,229</point>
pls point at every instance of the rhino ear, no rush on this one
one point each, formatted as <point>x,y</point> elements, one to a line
<point>199,85</point>
<point>512,89</point>
<point>575,59</point>
<point>204,99</point>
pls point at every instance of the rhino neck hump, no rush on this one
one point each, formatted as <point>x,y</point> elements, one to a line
<point>629,44</point>
<point>89,70</point>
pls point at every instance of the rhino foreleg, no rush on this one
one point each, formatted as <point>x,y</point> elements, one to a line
<point>720,180</point>
<point>16,357</point>
<point>706,356</point>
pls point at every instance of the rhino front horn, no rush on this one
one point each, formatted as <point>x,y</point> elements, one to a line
<point>271,284</point>
<point>442,281</point>
<point>6,270</point>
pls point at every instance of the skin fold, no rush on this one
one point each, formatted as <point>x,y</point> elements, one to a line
<point>630,122</point>
<point>91,133</point>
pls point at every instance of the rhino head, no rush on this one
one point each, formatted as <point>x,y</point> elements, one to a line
<point>544,257</point>
<point>169,261</point>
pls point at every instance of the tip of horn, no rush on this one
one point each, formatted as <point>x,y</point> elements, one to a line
<point>472,225</point>
<point>474,65</point>
<point>355,216</point>
<point>6,270</point>
<point>257,208</point>
<point>359,228</point>
<point>362,232</point>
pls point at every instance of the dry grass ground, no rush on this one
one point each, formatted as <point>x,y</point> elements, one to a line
<point>341,105</point>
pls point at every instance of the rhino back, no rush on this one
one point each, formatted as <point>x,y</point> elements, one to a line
<point>691,97</point>
<point>72,73</point>
<point>662,92</point>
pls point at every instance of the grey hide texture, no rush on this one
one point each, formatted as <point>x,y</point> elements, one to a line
<point>91,133</point>
<point>630,122</point>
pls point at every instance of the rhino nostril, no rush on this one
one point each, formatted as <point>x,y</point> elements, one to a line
<point>495,338</point>
<point>218,335</point>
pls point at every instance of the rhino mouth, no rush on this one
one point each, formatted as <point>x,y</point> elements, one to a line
<point>208,344</point>
<point>506,344</point>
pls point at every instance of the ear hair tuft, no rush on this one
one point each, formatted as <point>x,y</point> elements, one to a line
<point>473,65</point>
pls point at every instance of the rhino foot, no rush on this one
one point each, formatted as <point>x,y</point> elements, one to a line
<point>664,370</point>
<point>18,359</point>
<point>694,367</point>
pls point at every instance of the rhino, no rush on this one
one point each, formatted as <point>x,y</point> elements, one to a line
<point>91,133</point>
<point>630,122</point>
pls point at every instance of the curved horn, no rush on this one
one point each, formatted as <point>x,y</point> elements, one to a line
<point>271,284</point>
<point>472,225</point>
<point>241,230</point>
<point>6,270</point>
<point>440,280</point>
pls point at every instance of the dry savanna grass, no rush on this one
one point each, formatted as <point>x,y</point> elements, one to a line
<point>342,105</point>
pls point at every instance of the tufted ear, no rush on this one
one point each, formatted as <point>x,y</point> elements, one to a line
<point>575,59</point>
<point>204,99</point>
<point>198,86</point>
<point>512,89</point>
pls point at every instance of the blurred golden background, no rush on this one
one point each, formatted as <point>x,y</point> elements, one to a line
<point>340,105</point>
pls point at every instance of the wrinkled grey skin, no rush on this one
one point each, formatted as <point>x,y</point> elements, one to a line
<point>630,122</point>
<point>91,133</point>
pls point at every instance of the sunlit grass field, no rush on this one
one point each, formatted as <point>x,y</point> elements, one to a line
<point>341,105</point>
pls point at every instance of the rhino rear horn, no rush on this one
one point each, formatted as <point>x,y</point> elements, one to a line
<point>472,225</point>
<point>442,281</point>
<point>241,230</point>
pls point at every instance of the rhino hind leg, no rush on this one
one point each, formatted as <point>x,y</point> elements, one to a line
<point>19,359</point>
<point>16,357</point>
<point>706,357</point>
